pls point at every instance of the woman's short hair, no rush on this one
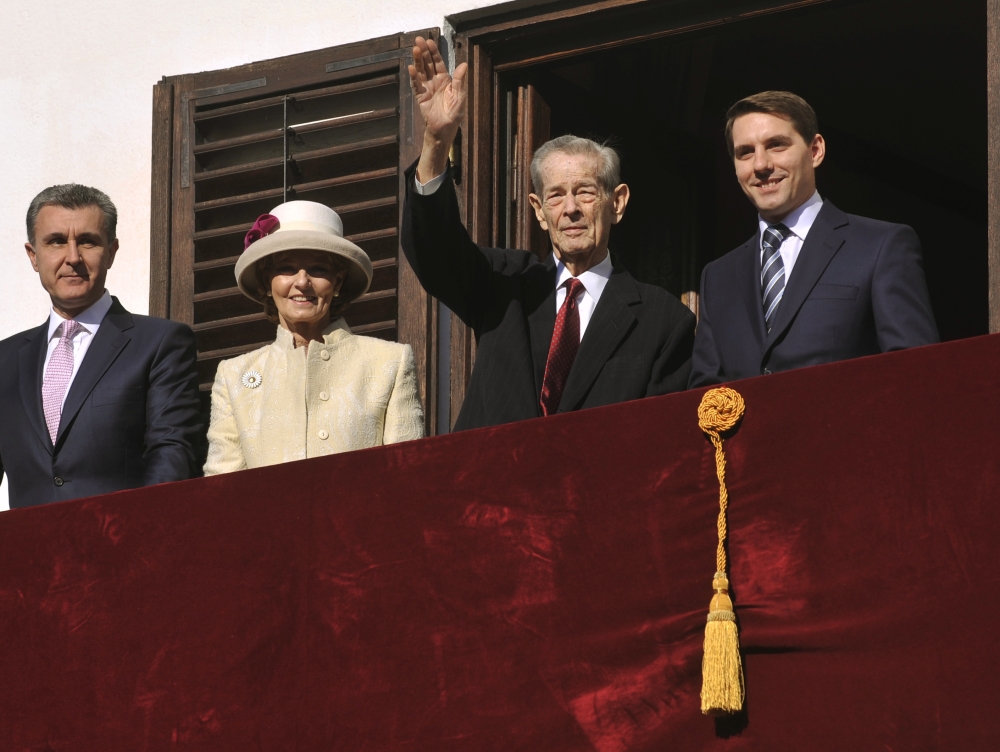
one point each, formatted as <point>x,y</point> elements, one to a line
<point>784,104</point>
<point>609,163</point>
<point>265,273</point>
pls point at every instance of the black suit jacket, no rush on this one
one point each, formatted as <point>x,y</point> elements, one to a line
<point>637,344</point>
<point>131,416</point>
<point>857,288</point>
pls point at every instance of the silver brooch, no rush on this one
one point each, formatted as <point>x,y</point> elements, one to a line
<point>251,379</point>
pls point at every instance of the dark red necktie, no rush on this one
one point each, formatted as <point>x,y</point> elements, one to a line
<point>562,349</point>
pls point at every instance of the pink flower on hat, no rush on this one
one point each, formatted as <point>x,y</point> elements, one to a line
<point>265,225</point>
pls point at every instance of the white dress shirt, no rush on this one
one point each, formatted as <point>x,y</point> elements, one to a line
<point>594,279</point>
<point>799,222</point>
<point>431,186</point>
<point>89,321</point>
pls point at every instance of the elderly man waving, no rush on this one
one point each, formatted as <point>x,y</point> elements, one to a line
<point>563,334</point>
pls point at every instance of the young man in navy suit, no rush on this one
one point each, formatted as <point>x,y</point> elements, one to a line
<point>96,399</point>
<point>813,285</point>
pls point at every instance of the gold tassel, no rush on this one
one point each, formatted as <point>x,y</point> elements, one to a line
<point>722,690</point>
<point>721,667</point>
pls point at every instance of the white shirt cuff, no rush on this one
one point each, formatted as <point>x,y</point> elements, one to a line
<point>426,189</point>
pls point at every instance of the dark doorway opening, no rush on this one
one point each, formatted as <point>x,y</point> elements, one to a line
<point>900,91</point>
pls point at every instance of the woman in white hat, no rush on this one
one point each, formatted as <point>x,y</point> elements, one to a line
<point>318,389</point>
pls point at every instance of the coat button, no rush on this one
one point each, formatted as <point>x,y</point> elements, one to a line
<point>324,354</point>
<point>57,480</point>
<point>324,396</point>
<point>765,372</point>
<point>324,434</point>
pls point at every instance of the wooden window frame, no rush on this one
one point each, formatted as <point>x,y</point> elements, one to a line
<point>171,291</point>
<point>515,37</point>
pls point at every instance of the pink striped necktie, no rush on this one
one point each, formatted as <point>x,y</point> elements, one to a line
<point>58,373</point>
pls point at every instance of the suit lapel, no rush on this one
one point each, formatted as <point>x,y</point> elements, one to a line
<point>612,320</point>
<point>819,248</point>
<point>30,361</point>
<point>541,293</point>
<point>748,278</point>
<point>110,340</point>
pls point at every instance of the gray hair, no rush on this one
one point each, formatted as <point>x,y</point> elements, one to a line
<point>73,196</point>
<point>609,163</point>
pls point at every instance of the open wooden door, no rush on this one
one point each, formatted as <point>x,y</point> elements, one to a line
<point>532,129</point>
<point>658,77</point>
<point>525,125</point>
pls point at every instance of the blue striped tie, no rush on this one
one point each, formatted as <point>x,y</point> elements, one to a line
<point>772,271</point>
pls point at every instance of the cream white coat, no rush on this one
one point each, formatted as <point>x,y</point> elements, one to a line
<point>281,403</point>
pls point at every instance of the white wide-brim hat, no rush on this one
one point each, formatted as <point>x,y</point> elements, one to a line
<point>301,226</point>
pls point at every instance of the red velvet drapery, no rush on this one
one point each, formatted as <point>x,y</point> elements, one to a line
<point>540,586</point>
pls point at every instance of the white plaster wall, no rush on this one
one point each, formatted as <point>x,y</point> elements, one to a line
<point>76,103</point>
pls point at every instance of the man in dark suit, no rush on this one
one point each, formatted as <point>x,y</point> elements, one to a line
<point>96,399</point>
<point>814,285</point>
<point>557,335</point>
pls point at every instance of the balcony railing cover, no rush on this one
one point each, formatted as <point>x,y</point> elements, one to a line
<point>540,586</point>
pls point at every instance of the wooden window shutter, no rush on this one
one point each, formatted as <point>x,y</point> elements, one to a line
<point>336,126</point>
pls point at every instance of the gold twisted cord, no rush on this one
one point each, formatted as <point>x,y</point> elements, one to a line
<point>719,411</point>
<point>720,469</point>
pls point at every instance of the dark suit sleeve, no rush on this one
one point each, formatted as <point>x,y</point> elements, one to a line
<point>448,264</point>
<point>706,368</point>
<point>175,429</point>
<point>900,301</point>
<point>672,366</point>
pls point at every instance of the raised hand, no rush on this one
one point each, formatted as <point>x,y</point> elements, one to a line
<point>442,101</point>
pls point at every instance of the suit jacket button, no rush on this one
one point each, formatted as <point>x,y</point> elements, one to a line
<point>57,480</point>
<point>325,355</point>
<point>324,396</point>
<point>324,434</point>
<point>765,372</point>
